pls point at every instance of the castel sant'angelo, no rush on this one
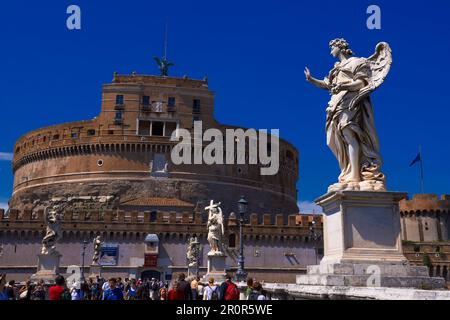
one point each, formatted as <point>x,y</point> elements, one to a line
<point>122,157</point>
<point>117,178</point>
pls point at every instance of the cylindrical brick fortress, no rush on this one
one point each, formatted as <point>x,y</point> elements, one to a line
<point>125,154</point>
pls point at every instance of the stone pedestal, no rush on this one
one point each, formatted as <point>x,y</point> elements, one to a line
<point>216,268</point>
<point>192,271</point>
<point>95,270</point>
<point>47,268</point>
<point>362,243</point>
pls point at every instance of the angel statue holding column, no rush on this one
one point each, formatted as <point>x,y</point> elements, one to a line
<point>350,127</point>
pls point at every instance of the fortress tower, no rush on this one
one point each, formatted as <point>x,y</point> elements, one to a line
<point>123,156</point>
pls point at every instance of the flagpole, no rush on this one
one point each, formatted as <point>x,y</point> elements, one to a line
<point>421,170</point>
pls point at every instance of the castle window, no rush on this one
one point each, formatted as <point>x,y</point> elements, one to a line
<point>118,119</point>
<point>119,99</point>
<point>196,106</point>
<point>146,101</point>
<point>144,128</point>
<point>170,128</point>
<point>157,128</point>
<point>91,132</point>
<point>232,240</point>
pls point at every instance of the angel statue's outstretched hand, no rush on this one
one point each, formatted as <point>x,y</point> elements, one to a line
<point>350,128</point>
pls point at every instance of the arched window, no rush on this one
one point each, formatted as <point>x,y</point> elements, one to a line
<point>232,240</point>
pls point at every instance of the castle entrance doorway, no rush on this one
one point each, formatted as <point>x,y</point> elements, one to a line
<point>149,274</point>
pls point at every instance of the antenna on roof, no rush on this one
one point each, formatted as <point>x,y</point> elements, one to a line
<point>164,64</point>
<point>165,39</point>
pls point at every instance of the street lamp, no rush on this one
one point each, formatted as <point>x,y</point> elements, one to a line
<point>82,260</point>
<point>315,237</point>
<point>241,275</point>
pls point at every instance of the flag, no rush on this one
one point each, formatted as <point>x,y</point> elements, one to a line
<point>417,159</point>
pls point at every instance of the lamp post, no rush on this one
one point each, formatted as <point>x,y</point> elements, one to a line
<point>314,236</point>
<point>82,260</point>
<point>241,275</point>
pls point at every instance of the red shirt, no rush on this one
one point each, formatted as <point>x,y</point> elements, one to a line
<point>55,292</point>
<point>175,295</point>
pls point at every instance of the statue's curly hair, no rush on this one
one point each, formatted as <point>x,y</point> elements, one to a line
<point>342,44</point>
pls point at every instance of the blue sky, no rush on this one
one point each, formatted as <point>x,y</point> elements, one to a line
<point>254,54</point>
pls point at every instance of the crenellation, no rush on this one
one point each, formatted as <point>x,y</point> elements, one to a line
<point>292,220</point>
<point>27,214</point>
<point>134,217</point>
<point>425,217</point>
<point>254,219</point>
<point>279,220</point>
<point>198,216</point>
<point>185,217</point>
<point>172,217</point>
<point>267,219</point>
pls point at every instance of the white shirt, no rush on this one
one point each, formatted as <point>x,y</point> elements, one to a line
<point>208,292</point>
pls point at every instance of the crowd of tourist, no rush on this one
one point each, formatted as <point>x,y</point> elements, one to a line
<point>131,289</point>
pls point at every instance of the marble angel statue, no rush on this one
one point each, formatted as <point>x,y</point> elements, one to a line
<point>193,252</point>
<point>52,218</point>
<point>350,127</point>
<point>215,228</point>
<point>97,250</point>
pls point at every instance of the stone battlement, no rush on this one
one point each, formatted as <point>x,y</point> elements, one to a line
<point>426,202</point>
<point>156,222</point>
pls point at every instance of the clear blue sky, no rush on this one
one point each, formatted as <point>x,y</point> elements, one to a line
<point>254,54</point>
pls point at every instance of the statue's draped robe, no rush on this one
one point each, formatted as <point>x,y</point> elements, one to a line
<point>359,120</point>
<point>215,231</point>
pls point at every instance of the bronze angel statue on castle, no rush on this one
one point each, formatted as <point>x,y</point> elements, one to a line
<point>350,127</point>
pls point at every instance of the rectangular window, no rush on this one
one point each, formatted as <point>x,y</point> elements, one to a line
<point>157,128</point>
<point>145,101</point>
<point>55,137</point>
<point>73,135</point>
<point>119,99</point>
<point>196,106</point>
<point>171,102</point>
<point>91,132</point>
<point>118,119</point>
<point>144,128</point>
<point>170,128</point>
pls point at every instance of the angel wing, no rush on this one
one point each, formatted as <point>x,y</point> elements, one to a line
<point>158,61</point>
<point>220,221</point>
<point>380,64</point>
